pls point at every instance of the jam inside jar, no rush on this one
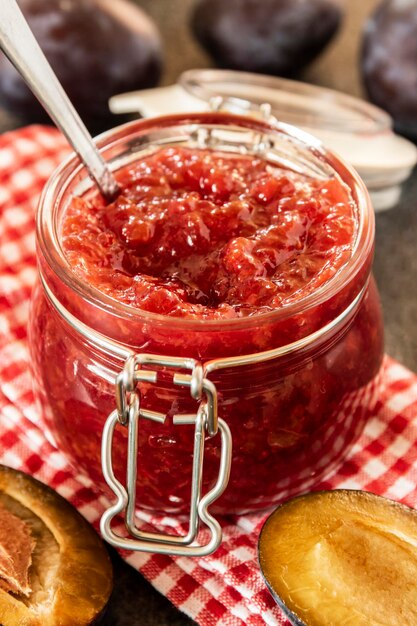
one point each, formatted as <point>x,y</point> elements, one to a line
<point>286,309</point>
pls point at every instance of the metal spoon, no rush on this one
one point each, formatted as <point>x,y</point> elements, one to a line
<point>20,46</point>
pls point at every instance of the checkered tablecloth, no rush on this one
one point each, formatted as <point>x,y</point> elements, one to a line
<point>222,589</point>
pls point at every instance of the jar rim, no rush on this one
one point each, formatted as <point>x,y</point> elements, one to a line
<point>60,180</point>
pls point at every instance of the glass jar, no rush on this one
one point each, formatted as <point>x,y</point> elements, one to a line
<point>295,385</point>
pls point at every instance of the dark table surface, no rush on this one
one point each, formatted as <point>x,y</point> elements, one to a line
<point>135,602</point>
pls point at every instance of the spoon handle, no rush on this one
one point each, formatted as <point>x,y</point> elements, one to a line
<point>20,46</point>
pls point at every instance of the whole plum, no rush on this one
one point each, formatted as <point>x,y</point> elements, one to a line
<point>96,47</point>
<point>389,61</point>
<point>275,37</point>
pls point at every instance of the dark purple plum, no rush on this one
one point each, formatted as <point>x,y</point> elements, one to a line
<point>389,61</point>
<point>278,37</point>
<point>96,47</point>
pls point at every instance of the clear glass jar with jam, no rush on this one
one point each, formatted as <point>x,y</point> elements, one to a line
<point>234,323</point>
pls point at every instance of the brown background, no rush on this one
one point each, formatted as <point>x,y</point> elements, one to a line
<point>135,602</point>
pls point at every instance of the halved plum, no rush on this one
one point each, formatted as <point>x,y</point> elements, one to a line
<point>69,571</point>
<point>342,557</point>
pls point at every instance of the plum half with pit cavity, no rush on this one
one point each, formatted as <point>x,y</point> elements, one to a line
<point>342,558</point>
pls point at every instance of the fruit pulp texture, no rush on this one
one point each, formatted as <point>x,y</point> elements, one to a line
<point>207,236</point>
<point>67,561</point>
<point>342,558</point>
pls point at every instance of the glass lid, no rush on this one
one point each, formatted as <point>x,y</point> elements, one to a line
<point>297,103</point>
<point>358,131</point>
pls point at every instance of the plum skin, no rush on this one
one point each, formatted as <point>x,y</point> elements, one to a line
<point>96,49</point>
<point>85,562</point>
<point>312,515</point>
<point>389,61</point>
<point>277,37</point>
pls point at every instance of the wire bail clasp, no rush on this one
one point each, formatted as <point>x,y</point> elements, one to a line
<point>206,422</point>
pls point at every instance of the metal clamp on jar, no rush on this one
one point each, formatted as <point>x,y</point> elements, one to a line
<point>292,387</point>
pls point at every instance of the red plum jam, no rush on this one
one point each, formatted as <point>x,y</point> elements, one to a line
<point>211,253</point>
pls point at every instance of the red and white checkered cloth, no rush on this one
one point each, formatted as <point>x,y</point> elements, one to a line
<point>222,589</point>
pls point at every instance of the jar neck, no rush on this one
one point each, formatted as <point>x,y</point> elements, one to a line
<point>143,331</point>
